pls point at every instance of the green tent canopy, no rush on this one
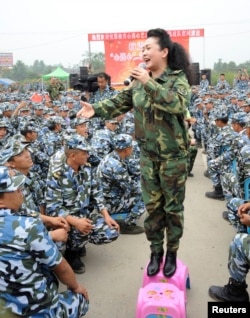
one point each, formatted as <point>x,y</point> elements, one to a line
<point>58,73</point>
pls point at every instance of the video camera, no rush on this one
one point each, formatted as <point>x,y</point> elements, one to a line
<point>88,82</point>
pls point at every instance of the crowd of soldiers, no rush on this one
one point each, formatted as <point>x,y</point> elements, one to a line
<point>46,134</point>
<point>222,129</point>
<point>83,175</point>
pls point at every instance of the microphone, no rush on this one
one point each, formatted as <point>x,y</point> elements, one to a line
<point>129,80</point>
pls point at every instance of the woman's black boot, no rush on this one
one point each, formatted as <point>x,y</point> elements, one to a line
<point>154,264</point>
<point>170,264</point>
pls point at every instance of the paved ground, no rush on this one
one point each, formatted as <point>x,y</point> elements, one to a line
<point>114,272</point>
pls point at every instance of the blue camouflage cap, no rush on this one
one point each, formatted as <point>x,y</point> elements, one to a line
<point>28,126</point>
<point>7,106</point>
<point>38,106</point>
<point>14,147</point>
<point>76,141</point>
<point>3,123</point>
<point>9,183</point>
<point>220,113</point>
<point>240,117</point>
<point>198,101</point>
<point>122,141</point>
<point>79,121</point>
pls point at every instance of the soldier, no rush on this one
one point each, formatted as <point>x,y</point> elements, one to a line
<point>3,132</point>
<point>204,83</point>
<point>232,182</point>
<point>38,114</point>
<point>159,98</point>
<point>121,191</point>
<point>73,194</point>
<point>28,254</point>
<point>238,266</point>
<point>221,160</point>
<point>104,91</point>
<point>53,139</point>
<point>54,88</point>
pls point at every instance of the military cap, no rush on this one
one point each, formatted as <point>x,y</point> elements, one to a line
<point>38,106</point>
<point>24,109</point>
<point>241,97</point>
<point>122,141</point>
<point>53,120</point>
<point>14,147</point>
<point>79,121</point>
<point>9,183</point>
<point>3,123</point>
<point>56,103</point>
<point>198,101</point>
<point>246,103</point>
<point>28,126</point>
<point>69,100</point>
<point>64,108</point>
<point>5,155</point>
<point>76,141</point>
<point>220,113</point>
<point>50,112</point>
<point>240,117</point>
<point>7,106</point>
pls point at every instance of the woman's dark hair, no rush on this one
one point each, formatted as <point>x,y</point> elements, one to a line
<point>177,58</point>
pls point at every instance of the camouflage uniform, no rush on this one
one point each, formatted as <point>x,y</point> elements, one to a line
<point>78,195</point>
<point>221,162</point>
<point>27,257</point>
<point>121,190</point>
<point>96,122</point>
<point>239,257</point>
<point>159,110</point>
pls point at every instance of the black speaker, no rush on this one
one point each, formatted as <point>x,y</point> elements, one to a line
<point>195,67</point>
<point>207,71</point>
<point>195,78</point>
<point>83,71</point>
<point>73,79</point>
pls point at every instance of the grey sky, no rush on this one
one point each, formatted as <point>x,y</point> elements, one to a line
<point>55,31</point>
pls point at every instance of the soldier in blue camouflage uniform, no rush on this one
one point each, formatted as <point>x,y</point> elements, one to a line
<point>104,91</point>
<point>121,191</point>
<point>38,114</point>
<point>4,135</point>
<point>204,83</point>
<point>53,140</point>
<point>198,126</point>
<point>73,194</point>
<point>238,264</point>
<point>159,99</point>
<point>221,161</point>
<point>40,296</point>
<point>232,182</point>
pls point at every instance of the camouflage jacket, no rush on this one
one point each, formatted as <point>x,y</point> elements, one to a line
<point>27,257</point>
<point>68,192</point>
<point>159,110</point>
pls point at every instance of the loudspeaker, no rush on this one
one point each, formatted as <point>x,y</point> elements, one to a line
<point>195,78</point>
<point>195,67</point>
<point>73,79</point>
<point>83,71</point>
<point>207,71</point>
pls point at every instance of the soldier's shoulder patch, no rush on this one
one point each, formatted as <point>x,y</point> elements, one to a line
<point>182,91</point>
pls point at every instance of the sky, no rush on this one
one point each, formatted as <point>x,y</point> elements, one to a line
<point>56,31</point>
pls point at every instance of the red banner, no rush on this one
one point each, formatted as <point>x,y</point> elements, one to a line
<point>123,51</point>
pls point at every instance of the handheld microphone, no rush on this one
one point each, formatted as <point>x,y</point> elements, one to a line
<point>129,80</point>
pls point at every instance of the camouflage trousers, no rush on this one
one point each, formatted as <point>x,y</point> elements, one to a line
<point>64,305</point>
<point>101,234</point>
<point>132,205</point>
<point>163,192</point>
<point>216,169</point>
<point>233,206</point>
<point>231,186</point>
<point>192,153</point>
<point>239,257</point>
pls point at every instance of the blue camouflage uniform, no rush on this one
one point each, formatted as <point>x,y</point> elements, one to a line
<point>121,190</point>
<point>27,258</point>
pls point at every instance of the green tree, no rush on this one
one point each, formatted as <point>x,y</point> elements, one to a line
<point>95,61</point>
